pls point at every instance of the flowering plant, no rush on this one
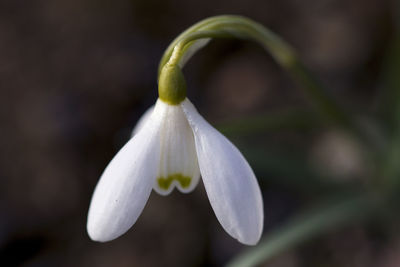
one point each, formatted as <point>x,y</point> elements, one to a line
<point>173,146</point>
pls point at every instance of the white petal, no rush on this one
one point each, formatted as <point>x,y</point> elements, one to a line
<point>143,119</point>
<point>178,160</point>
<point>194,47</point>
<point>230,183</point>
<point>126,184</point>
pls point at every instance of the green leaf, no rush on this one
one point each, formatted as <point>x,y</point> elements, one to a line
<point>332,215</point>
<point>284,167</point>
<point>390,105</point>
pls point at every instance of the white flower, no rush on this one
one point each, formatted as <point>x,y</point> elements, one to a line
<point>172,146</point>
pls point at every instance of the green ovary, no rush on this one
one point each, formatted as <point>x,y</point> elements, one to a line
<point>165,183</point>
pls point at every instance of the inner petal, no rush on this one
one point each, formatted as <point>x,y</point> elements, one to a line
<point>178,161</point>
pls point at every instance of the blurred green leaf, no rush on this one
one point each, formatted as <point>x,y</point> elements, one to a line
<point>332,215</point>
<point>390,109</point>
<point>390,106</point>
<point>288,168</point>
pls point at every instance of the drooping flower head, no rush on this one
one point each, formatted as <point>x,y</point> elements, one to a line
<point>172,147</point>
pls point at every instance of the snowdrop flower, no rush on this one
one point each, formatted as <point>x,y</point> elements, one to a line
<point>172,147</point>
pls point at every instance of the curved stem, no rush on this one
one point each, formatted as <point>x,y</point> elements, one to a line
<point>244,28</point>
<point>182,46</point>
<point>209,22</point>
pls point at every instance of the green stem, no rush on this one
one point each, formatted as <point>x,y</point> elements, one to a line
<point>209,22</point>
<point>244,28</point>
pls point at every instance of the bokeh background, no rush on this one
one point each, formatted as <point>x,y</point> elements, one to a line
<point>75,76</point>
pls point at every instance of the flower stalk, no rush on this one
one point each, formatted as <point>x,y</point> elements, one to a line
<point>244,28</point>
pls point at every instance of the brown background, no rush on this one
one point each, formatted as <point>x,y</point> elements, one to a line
<point>76,75</point>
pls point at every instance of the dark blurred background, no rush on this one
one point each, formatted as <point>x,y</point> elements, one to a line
<point>75,76</point>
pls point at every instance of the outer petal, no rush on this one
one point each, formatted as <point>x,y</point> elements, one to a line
<point>230,183</point>
<point>126,184</point>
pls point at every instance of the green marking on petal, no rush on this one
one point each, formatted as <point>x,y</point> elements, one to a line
<point>165,183</point>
